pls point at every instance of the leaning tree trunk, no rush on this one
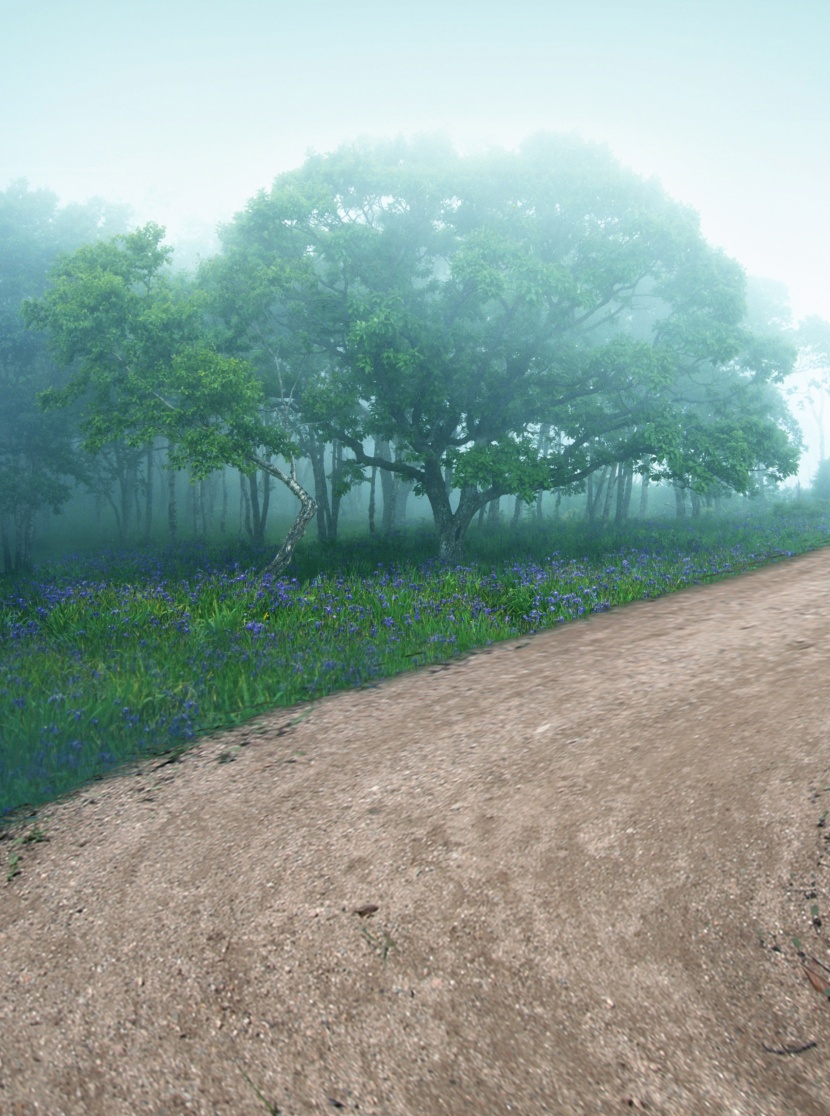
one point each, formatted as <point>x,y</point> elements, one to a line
<point>282,559</point>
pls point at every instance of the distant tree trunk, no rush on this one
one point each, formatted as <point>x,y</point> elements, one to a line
<point>5,542</point>
<point>612,480</point>
<point>494,512</point>
<point>172,509</point>
<point>644,483</point>
<point>695,505</point>
<point>543,443</point>
<point>404,492</point>
<point>481,513</point>
<point>223,515</point>
<point>626,476</point>
<point>24,521</point>
<point>148,492</point>
<point>595,489</point>
<point>448,479</point>
<point>387,486</point>
<point>256,514</point>
<point>194,508</point>
<point>266,505</point>
<point>679,499</point>
<point>336,496</point>
<point>245,517</point>
<point>517,511</point>
<point>316,452</point>
<point>208,499</point>
<point>372,486</point>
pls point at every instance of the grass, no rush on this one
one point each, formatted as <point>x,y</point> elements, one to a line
<point>108,658</point>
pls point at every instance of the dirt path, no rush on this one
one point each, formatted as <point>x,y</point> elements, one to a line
<point>589,852</point>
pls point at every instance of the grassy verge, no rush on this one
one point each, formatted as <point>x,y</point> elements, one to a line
<point>105,659</point>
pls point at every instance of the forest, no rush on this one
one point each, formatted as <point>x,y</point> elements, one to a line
<point>416,402</point>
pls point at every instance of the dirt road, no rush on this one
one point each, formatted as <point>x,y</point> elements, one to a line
<point>590,852</point>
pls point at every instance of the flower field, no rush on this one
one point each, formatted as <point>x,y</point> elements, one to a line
<point>108,658</point>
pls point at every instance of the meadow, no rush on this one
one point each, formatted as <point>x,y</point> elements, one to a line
<point>109,657</point>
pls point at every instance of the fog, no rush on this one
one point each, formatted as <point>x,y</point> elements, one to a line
<point>183,112</point>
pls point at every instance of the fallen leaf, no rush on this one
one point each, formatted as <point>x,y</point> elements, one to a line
<point>818,982</point>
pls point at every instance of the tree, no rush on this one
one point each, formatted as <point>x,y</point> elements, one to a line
<point>142,367</point>
<point>456,307</point>
<point>37,452</point>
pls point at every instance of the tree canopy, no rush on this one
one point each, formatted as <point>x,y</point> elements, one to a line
<point>143,365</point>
<point>453,307</point>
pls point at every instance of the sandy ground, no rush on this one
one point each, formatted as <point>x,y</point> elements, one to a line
<point>590,852</point>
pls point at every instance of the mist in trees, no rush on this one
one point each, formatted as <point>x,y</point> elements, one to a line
<point>392,328</point>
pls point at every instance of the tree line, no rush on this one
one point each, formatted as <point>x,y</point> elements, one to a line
<point>464,328</point>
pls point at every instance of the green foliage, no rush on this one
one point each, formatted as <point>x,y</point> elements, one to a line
<point>142,363</point>
<point>456,306</point>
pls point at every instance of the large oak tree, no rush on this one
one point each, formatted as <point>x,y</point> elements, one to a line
<point>452,307</point>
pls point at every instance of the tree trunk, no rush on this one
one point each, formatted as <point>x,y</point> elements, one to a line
<point>316,454</point>
<point>207,496</point>
<point>644,483</point>
<point>336,497</point>
<point>595,489</point>
<point>5,542</point>
<point>625,475</point>
<point>372,486</point>
<point>387,487</point>
<point>494,513</point>
<point>245,506</point>
<point>223,515</point>
<point>194,508</point>
<point>265,504</point>
<point>679,500</point>
<point>695,505</point>
<point>148,494</point>
<point>517,511</point>
<point>451,527</point>
<point>404,492</point>
<point>308,508</point>
<point>172,510</point>
<point>256,510</point>
<point>612,480</point>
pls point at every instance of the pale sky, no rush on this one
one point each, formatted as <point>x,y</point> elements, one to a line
<point>185,108</point>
